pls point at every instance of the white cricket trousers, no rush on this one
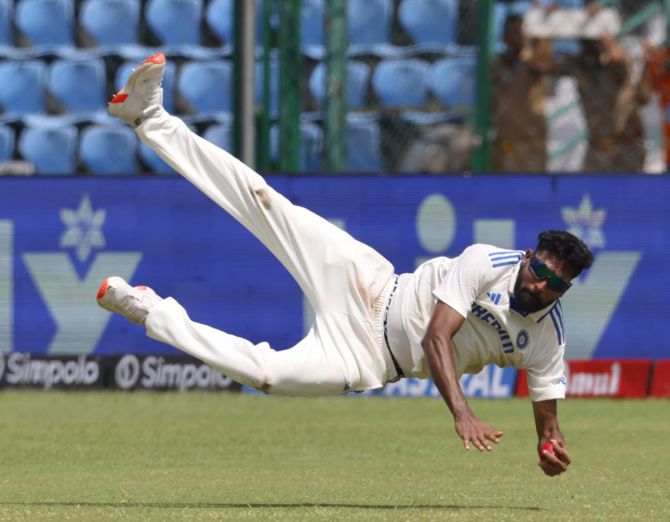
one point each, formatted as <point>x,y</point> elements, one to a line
<point>347,283</point>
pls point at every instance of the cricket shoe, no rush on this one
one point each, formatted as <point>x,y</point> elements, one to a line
<point>131,302</point>
<point>142,95</point>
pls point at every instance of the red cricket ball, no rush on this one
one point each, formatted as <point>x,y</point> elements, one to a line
<point>548,447</point>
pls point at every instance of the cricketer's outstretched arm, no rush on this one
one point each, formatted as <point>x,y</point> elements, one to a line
<point>437,346</point>
<point>546,423</point>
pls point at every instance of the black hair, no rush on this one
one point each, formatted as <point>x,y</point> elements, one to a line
<point>567,247</point>
<point>510,19</point>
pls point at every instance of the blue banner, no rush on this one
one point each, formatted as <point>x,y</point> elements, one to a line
<point>491,383</point>
<point>59,238</point>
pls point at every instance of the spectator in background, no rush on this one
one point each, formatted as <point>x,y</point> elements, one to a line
<point>518,108</point>
<point>610,100</point>
<point>656,79</point>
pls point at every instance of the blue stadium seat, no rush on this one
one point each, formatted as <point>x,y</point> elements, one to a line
<point>108,150</point>
<point>312,15</point>
<point>401,83</point>
<point>123,72</point>
<point>430,23</point>
<point>358,79</point>
<point>153,161</point>
<point>207,86</point>
<point>51,149</point>
<point>175,22</point>
<point>363,144</point>
<point>46,22</point>
<point>6,143</point>
<point>453,81</point>
<point>111,22</point>
<point>6,20</point>
<point>22,85</point>
<point>368,21</point>
<point>221,20</point>
<point>80,86</point>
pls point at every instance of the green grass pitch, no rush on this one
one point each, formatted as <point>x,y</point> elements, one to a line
<point>218,456</point>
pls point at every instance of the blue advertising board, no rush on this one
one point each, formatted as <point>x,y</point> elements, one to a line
<point>59,238</point>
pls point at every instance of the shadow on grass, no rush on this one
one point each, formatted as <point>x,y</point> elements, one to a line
<point>260,505</point>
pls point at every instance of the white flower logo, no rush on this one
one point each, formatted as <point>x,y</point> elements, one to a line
<point>83,228</point>
<point>585,222</point>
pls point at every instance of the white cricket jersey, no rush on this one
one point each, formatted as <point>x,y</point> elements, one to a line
<point>479,284</point>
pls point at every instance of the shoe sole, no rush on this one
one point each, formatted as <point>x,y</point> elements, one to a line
<point>103,289</point>
<point>155,60</point>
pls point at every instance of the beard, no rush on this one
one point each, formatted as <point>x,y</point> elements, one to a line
<point>527,300</point>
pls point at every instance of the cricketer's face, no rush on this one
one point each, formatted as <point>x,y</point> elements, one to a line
<point>536,289</point>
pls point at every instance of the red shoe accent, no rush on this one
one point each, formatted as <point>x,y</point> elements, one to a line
<point>119,97</point>
<point>103,289</point>
<point>157,58</point>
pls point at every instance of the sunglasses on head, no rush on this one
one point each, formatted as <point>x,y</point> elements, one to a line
<point>542,271</point>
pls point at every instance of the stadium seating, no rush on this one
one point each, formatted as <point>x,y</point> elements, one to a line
<point>108,150</point>
<point>175,22</point>
<point>206,86</point>
<point>358,79</point>
<point>198,82</point>
<point>6,143</point>
<point>78,85</point>
<point>368,21</point>
<point>431,23</point>
<point>51,149</point>
<point>124,70</point>
<point>363,140</point>
<point>46,22</point>
<point>22,85</point>
<point>401,83</point>
<point>312,15</point>
<point>453,81</point>
<point>221,20</point>
<point>6,21</point>
<point>111,22</point>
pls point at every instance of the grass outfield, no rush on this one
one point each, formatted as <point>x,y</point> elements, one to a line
<point>211,456</point>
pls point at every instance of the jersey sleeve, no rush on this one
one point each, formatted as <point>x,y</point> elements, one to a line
<point>546,376</point>
<point>466,277</point>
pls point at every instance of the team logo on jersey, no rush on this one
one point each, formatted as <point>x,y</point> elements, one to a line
<point>522,339</point>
